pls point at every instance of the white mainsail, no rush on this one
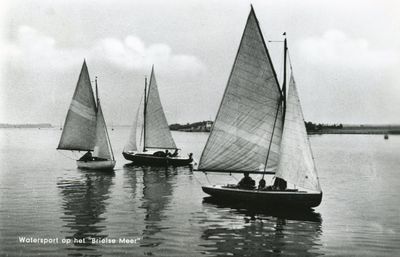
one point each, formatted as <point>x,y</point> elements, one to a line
<point>296,163</point>
<point>155,127</point>
<point>250,114</point>
<point>157,130</point>
<point>80,124</point>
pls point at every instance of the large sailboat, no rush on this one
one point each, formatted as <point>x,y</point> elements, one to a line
<point>259,129</point>
<point>150,141</point>
<point>85,128</point>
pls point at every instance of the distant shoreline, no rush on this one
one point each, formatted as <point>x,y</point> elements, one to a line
<point>355,132</point>
<point>40,125</point>
<point>358,129</point>
<point>206,127</point>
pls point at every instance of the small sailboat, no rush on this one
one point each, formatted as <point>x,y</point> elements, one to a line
<point>150,141</point>
<point>85,128</point>
<point>260,130</point>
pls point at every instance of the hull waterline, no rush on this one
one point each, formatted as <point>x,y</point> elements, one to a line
<point>96,165</point>
<point>297,199</point>
<point>155,160</point>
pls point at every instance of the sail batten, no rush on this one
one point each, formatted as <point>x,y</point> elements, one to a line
<point>82,110</point>
<point>244,125</point>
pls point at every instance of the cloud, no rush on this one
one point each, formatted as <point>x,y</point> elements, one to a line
<point>34,50</point>
<point>132,53</point>
<point>336,48</point>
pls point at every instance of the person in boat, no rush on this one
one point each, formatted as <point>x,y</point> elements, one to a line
<point>167,153</point>
<point>279,184</point>
<point>175,154</point>
<point>261,184</point>
<point>247,182</point>
<point>161,153</point>
<point>87,157</point>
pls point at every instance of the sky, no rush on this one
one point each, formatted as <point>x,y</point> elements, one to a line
<point>345,56</point>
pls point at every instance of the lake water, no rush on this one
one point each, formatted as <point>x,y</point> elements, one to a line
<point>144,211</point>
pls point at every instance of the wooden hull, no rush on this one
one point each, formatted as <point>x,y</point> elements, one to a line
<point>155,160</point>
<point>96,165</point>
<point>296,199</point>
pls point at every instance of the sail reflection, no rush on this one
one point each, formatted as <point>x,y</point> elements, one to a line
<point>84,201</point>
<point>157,192</point>
<point>131,174</point>
<point>156,184</point>
<point>260,232</point>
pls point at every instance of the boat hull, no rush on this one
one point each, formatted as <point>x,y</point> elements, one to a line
<point>286,198</point>
<point>96,165</point>
<point>156,160</point>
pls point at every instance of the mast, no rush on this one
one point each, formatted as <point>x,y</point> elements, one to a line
<point>270,143</point>
<point>284,77</point>
<point>144,113</point>
<point>97,92</point>
<point>283,100</point>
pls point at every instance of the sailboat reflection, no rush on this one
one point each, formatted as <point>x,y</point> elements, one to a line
<point>84,201</point>
<point>131,176</point>
<point>260,232</point>
<point>157,190</point>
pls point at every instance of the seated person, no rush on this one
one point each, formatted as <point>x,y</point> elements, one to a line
<point>175,154</point>
<point>160,154</point>
<point>261,184</point>
<point>280,184</point>
<point>87,157</point>
<point>246,182</point>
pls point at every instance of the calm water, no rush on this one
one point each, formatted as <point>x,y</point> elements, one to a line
<point>163,212</point>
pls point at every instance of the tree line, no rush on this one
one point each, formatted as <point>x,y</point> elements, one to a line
<point>313,127</point>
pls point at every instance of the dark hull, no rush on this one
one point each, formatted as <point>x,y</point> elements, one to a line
<point>293,199</point>
<point>155,160</point>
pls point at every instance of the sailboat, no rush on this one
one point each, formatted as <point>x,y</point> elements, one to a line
<point>85,128</point>
<point>150,134</point>
<point>260,130</point>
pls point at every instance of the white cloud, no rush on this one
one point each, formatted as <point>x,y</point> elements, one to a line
<point>34,50</point>
<point>336,48</point>
<point>133,54</point>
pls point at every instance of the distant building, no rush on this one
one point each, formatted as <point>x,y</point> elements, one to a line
<point>208,125</point>
<point>203,126</point>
